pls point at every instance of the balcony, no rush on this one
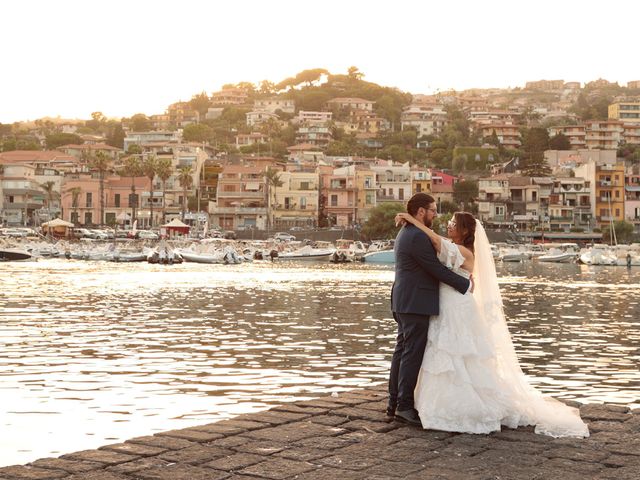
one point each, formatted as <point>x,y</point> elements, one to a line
<point>243,194</point>
<point>238,210</point>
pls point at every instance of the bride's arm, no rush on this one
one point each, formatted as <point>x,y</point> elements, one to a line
<point>433,236</point>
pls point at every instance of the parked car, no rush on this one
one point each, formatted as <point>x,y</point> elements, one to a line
<point>229,235</point>
<point>296,229</point>
<point>147,235</point>
<point>284,237</point>
<point>82,233</point>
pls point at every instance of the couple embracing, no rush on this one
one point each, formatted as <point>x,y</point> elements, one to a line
<point>454,367</point>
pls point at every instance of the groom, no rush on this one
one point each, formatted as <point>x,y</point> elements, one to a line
<point>415,297</point>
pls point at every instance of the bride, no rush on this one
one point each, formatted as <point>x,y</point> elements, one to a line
<point>470,380</point>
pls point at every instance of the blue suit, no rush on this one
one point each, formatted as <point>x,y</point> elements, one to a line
<point>414,298</point>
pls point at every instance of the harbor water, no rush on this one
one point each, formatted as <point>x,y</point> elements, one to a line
<point>96,353</point>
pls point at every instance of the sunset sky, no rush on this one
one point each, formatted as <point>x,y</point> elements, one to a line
<point>69,58</point>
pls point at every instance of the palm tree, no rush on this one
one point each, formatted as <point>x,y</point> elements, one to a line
<point>102,163</point>
<point>133,169</point>
<point>185,179</point>
<point>75,200</point>
<point>164,171</point>
<point>273,180</point>
<point>149,168</point>
<point>48,187</point>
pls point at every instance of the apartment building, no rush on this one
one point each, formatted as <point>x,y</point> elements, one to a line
<point>607,192</point>
<point>493,200</point>
<point>305,116</point>
<point>22,194</point>
<point>241,198</point>
<point>603,134</point>
<point>631,133</point>
<point>182,114</point>
<point>420,179</point>
<point>229,96</point>
<point>632,199</point>
<point>349,103</point>
<point>570,204</point>
<point>348,194</point>
<point>628,112</point>
<point>296,202</point>
<point>508,133</point>
<point>274,104</point>
<point>575,133</point>
<point>393,180</point>
<point>545,85</point>
<point>259,116</point>
<point>154,136</point>
<point>316,135</point>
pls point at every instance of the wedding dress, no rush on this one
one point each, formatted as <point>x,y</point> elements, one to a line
<point>470,379</point>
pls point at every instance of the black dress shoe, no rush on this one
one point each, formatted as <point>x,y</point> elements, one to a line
<point>408,416</point>
<point>391,411</point>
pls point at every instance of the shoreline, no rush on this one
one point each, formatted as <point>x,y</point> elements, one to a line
<point>348,437</point>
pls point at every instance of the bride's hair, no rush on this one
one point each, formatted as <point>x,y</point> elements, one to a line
<point>466,225</point>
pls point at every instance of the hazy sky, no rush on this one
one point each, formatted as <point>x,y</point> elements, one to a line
<point>73,57</point>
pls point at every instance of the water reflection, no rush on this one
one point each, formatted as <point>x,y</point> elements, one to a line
<point>95,353</point>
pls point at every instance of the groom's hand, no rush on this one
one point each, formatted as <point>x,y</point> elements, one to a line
<point>472,283</point>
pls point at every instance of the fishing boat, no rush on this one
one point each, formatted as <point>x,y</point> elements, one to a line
<point>14,255</point>
<point>307,253</point>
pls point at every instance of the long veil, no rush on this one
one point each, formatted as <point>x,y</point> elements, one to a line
<point>550,416</point>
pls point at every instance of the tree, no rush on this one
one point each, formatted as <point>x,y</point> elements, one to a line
<point>75,200</point>
<point>101,162</point>
<point>492,139</point>
<point>200,103</point>
<point>49,188</point>
<point>132,168</point>
<point>381,221</point>
<point>623,232</point>
<point>140,123</point>
<point>273,180</point>
<point>534,143</point>
<point>465,192</point>
<point>185,179</point>
<point>560,142</point>
<point>149,167</point>
<point>197,132</point>
<point>116,135</point>
<point>56,140</point>
<point>310,76</point>
<point>267,87</point>
<point>354,73</point>
<point>164,170</point>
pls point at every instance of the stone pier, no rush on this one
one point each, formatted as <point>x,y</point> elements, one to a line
<point>348,437</point>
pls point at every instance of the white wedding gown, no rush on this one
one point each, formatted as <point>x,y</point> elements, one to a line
<point>470,380</point>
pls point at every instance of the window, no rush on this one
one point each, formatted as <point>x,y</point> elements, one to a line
<point>303,203</point>
<point>88,218</point>
<point>418,188</point>
<point>117,200</point>
<point>369,199</point>
<point>401,193</point>
<point>534,196</point>
<point>11,199</point>
<point>334,200</point>
<point>617,212</point>
<point>304,186</point>
<point>89,201</point>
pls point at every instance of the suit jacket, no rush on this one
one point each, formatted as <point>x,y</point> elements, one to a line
<point>419,273</point>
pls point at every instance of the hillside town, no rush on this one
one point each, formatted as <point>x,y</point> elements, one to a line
<point>540,157</point>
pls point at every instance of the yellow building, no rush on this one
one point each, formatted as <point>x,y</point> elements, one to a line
<point>625,112</point>
<point>605,182</point>
<point>296,200</point>
<point>420,180</point>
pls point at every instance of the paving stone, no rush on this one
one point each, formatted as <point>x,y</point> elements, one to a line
<point>599,412</point>
<point>420,444</point>
<point>97,475</point>
<point>134,449</point>
<point>71,466</point>
<point>510,457</point>
<point>367,425</point>
<point>180,471</point>
<point>623,473</point>
<point>295,431</point>
<point>229,442</point>
<point>170,443</point>
<point>302,454</point>
<point>627,448</point>
<point>349,462</point>
<point>520,435</point>
<point>331,474</point>
<point>275,418</point>
<point>191,435</point>
<point>320,403</point>
<point>578,454</point>
<point>349,399</point>
<point>220,428</point>
<point>616,461</point>
<point>461,450</point>
<point>195,455</point>
<point>357,413</point>
<point>325,443</point>
<point>605,426</point>
<point>244,424</point>
<point>31,473</point>
<point>531,448</point>
<point>278,468</point>
<point>236,461</point>
<point>332,420</point>
<point>413,432</point>
<point>570,465</point>
<point>431,473</point>
<point>293,408</point>
<point>379,406</point>
<point>137,465</point>
<point>261,447</point>
<point>392,470</point>
<point>100,456</point>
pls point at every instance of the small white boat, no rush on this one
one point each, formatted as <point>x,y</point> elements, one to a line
<point>557,256</point>
<point>513,255</point>
<point>14,255</point>
<point>307,253</point>
<point>382,256</point>
<point>599,255</point>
